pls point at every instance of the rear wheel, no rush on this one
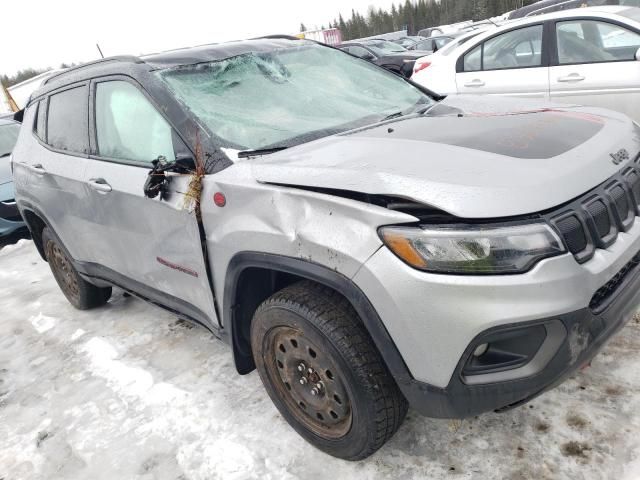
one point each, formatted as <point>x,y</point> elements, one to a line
<point>80,293</point>
<point>323,372</point>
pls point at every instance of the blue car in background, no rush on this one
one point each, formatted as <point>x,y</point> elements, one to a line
<point>10,219</point>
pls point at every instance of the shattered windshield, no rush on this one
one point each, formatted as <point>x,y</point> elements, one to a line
<point>290,96</point>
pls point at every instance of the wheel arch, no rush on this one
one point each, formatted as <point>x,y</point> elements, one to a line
<point>36,223</point>
<point>252,277</point>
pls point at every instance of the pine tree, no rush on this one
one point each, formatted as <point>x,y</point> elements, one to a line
<point>303,28</point>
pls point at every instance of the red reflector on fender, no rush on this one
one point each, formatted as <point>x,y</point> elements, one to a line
<point>219,199</point>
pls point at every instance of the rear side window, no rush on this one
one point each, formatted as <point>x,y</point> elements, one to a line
<point>39,121</point>
<point>67,120</point>
<point>128,127</point>
<point>514,49</point>
<point>473,60</point>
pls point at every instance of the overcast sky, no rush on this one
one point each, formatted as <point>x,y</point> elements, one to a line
<point>45,33</point>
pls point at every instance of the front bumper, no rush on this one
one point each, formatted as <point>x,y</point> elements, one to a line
<point>584,336</point>
<point>435,322</point>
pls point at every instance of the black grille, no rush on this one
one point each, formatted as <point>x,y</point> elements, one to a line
<point>609,288</point>
<point>595,219</point>
<point>573,233</point>
<point>601,218</point>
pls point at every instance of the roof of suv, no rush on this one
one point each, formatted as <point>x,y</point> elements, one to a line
<point>172,58</point>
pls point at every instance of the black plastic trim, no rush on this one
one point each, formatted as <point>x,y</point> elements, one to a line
<point>144,292</point>
<point>324,276</point>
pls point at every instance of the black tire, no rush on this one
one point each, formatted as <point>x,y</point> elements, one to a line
<point>80,293</point>
<point>312,325</point>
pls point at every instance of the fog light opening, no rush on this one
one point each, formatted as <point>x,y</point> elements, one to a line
<point>481,350</point>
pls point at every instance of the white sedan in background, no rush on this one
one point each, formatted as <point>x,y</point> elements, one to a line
<point>589,56</point>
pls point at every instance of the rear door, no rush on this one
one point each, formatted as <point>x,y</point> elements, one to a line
<point>594,64</point>
<point>509,63</point>
<point>152,246</point>
<point>57,164</point>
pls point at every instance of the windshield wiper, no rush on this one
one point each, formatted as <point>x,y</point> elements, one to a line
<point>393,115</point>
<point>259,151</point>
<point>2,155</point>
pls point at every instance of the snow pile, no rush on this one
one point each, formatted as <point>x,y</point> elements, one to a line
<point>128,391</point>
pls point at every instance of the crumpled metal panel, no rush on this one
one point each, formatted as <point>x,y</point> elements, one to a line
<point>337,233</point>
<point>483,164</point>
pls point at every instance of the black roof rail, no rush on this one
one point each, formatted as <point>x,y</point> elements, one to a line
<point>118,58</point>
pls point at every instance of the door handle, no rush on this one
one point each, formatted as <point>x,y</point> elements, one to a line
<point>574,77</point>
<point>38,169</point>
<point>475,83</point>
<point>100,185</point>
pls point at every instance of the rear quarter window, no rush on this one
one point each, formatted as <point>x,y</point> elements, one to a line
<point>39,120</point>
<point>68,120</point>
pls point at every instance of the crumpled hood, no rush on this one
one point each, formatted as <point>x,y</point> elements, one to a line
<point>476,158</point>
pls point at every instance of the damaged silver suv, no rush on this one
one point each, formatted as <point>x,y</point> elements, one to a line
<point>362,242</point>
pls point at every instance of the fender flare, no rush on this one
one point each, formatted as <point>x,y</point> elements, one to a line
<point>320,274</point>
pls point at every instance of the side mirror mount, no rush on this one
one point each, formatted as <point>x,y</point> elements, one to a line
<point>638,54</point>
<point>184,164</point>
<point>368,57</point>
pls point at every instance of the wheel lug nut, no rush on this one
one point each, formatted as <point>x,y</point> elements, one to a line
<point>303,381</point>
<point>310,371</point>
<point>319,386</point>
<point>301,367</point>
<point>314,391</point>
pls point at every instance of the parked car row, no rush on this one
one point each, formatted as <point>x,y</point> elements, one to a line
<point>390,55</point>
<point>587,56</point>
<point>10,219</point>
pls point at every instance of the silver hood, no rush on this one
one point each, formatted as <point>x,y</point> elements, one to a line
<point>471,157</point>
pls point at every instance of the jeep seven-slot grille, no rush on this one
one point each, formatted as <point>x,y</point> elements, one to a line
<point>594,220</point>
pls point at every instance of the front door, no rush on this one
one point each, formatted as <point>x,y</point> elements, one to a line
<point>150,245</point>
<point>596,65</point>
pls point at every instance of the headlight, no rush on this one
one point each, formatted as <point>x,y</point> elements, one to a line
<point>473,249</point>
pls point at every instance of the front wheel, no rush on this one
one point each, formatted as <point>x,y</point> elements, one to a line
<point>323,372</point>
<point>80,293</point>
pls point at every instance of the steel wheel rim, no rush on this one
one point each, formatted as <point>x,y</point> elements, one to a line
<point>292,357</point>
<point>63,270</point>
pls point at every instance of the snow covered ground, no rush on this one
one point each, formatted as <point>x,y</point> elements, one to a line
<point>128,391</point>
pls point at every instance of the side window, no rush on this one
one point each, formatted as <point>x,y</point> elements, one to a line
<point>359,51</point>
<point>591,41</point>
<point>514,49</point>
<point>426,45</point>
<point>39,120</point>
<point>67,120</point>
<point>473,60</point>
<point>128,127</point>
<point>441,42</point>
